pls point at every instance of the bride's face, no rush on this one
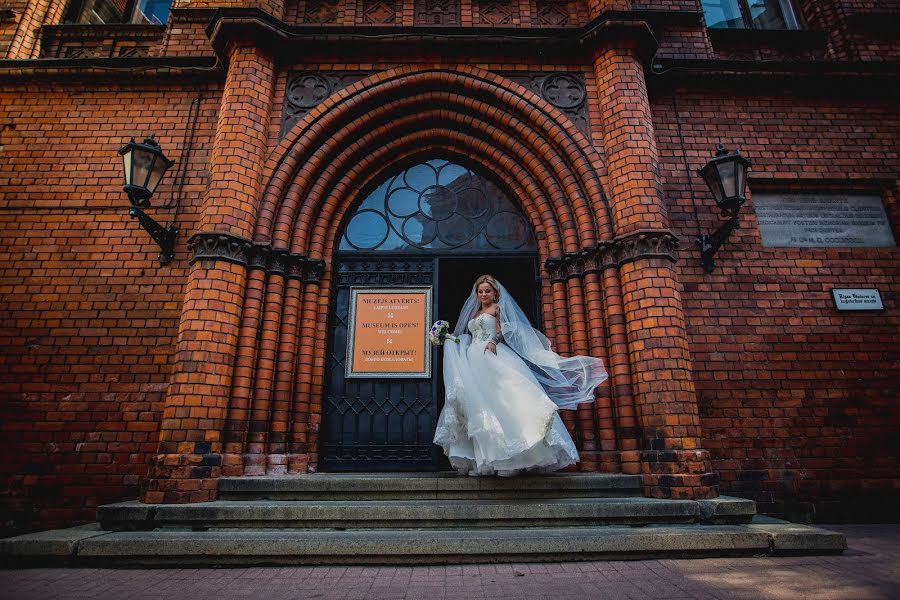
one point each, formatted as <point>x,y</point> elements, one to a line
<point>486,294</point>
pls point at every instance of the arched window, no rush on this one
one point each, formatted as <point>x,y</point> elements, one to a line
<point>436,207</point>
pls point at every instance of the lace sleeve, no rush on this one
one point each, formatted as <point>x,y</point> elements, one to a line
<point>498,335</point>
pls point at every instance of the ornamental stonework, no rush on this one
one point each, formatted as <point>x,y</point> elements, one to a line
<point>306,90</point>
<point>323,12</point>
<point>497,13</point>
<point>229,248</point>
<point>565,91</point>
<point>640,244</point>
<point>437,12</point>
<point>554,13</point>
<point>379,12</point>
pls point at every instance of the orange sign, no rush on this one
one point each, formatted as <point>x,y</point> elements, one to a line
<point>388,335</point>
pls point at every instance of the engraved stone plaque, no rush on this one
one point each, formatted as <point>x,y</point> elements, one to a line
<point>822,221</point>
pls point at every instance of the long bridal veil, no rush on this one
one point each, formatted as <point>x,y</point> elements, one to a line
<point>567,381</point>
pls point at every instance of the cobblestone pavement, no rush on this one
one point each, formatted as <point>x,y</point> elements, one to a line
<point>869,569</point>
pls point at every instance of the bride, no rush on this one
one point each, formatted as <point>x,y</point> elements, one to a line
<point>504,386</point>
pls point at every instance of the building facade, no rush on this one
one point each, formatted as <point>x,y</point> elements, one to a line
<point>326,144</point>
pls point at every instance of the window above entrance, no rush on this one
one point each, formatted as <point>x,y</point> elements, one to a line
<point>434,207</point>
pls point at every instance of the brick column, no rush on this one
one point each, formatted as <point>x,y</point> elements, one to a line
<point>672,463</point>
<point>190,450</point>
<point>596,7</point>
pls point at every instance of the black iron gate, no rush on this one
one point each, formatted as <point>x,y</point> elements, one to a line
<point>376,424</point>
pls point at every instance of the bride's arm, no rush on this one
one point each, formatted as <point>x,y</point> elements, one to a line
<point>498,333</point>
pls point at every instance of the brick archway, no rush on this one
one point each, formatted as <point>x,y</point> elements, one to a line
<point>341,148</point>
<point>269,276</point>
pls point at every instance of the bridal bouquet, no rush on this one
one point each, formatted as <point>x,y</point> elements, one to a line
<point>440,331</point>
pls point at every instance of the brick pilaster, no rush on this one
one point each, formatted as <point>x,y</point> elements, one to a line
<point>190,454</point>
<point>672,462</point>
<point>238,155</point>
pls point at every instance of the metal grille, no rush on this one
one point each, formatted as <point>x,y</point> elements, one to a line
<point>377,424</point>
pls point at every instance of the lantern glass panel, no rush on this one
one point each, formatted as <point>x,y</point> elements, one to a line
<point>741,170</point>
<point>156,175</point>
<point>712,180</point>
<point>126,166</point>
<point>727,175</point>
<point>142,163</point>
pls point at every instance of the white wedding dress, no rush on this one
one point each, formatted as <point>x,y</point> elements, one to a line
<point>497,419</point>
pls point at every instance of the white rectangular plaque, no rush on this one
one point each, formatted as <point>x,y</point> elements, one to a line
<point>857,299</point>
<point>822,221</point>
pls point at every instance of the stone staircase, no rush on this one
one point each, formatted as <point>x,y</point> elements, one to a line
<point>419,518</point>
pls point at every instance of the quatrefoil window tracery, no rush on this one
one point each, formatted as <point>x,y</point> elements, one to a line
<point>437,206</point>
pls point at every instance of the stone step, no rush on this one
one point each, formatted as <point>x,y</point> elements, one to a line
<point>478,513</point>
<point>90,546</point>
<point>426,486</point>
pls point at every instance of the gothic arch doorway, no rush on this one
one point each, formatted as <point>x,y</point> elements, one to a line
<point>434,224</point>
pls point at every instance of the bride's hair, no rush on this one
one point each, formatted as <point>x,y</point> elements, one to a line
<point>489,279</point>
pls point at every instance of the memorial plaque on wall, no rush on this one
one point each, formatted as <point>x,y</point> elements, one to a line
<point>388,332</point>
<point>822,221</point>
<point>857,299</point>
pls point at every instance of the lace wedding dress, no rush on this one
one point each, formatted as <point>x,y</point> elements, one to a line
<point>497,418</point>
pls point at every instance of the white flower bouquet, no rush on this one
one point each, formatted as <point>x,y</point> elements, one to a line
<point>440,331</point>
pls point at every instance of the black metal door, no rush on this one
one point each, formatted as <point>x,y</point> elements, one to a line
<point>376,424</point>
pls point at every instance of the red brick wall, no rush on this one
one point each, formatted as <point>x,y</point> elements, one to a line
<point>88,317</point>
<point>798,401</point>
<point>793,414</point>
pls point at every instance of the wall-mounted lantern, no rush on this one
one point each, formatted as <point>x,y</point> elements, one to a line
<point>144,166</point>
<point>726,176</point>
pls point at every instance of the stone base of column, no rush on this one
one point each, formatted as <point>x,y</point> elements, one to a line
<point>183,478</point>
<point>298,463</point>
<point>630,462</point>
<point>599,461</point>
<point>682,474</point>
<point>254,464</point>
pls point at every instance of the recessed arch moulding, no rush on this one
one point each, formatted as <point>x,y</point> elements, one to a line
<point>269,273</point>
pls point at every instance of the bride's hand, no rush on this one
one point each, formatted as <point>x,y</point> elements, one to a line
<point>491,346</point>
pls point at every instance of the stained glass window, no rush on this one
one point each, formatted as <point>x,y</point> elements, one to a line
<point>438,206</point>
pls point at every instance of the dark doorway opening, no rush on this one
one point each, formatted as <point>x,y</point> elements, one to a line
<point>519,275</point>
<point>387,424</point>
<point>456,276</point>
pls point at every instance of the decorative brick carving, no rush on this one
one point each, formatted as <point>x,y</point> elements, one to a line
<point>323,12</point>
<point>554,13</point>
<point>437,12</point>
<point>379,12</point>
<point>640,244</point>
<point>100,41</point>
<point>646,244</point>
<point>565,91</point>
<point>228,248</point>
<point>219,247</point>
<point>497,12</point>
<point>304,91</point>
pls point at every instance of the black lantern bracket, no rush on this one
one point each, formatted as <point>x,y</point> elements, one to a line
<point>163,236</point>
<point>726,177</point>
<point>710,244</point>
<point>144,167</point>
